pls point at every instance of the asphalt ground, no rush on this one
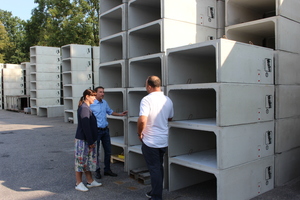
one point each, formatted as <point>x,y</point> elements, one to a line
<point>37,162</point>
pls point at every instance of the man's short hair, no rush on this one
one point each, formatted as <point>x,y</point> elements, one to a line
<point>99,87</point>
<point>154,81</point>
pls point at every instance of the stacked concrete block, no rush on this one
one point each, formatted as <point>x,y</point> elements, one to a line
<point>96,62</point>
<point>13,88</point>
<point>223,97</point>
<point>13,81</point>
<point>45,77</point>
<point>117,125</point>
<point>26,67</point>
<point>228,87</point>
<point>113,44</point>
<point>113,70</point>
<point>154,27</point>
<point>275,24</point>
<point>77,76</point>
<point>135,157</point>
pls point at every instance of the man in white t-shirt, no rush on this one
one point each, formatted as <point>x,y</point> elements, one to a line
<point>156,110</point>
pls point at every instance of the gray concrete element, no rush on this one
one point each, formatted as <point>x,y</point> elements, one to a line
<point>51,111</point>
<point>139,69</point>
<point>287,67</point>
<point>76,50</point>
<point>287,101</point>
<point>249,10</point>
<point>44,50</point>
<point>218,100</point>
<point>200,12</point>
<point>216,147</point>
<point>112,74</point>
<point>113,21</point>
<point>37,162</point>
<point>272,28</point>
<point>113,47</point>
<point>220,60</point>
<point>287,134</point>
<point>287,166</point>
<point>106,5</point>
<point>154,37</point>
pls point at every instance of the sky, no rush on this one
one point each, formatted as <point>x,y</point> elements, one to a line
<point>19,8</point>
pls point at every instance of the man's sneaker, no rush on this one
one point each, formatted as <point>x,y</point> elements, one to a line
<point>81,187</point>
<point>93,184</point>
<point>110,173</point>
<point>98,174</point>
<point>148,195</point>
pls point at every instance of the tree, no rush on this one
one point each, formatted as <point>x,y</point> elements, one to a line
<point>4,42</point>
<point>14,26</point>
<point>61,22</point>
<point>53,23</point>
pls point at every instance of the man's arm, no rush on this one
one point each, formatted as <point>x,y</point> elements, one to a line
<point>119,114</point>
<point>141,124</point>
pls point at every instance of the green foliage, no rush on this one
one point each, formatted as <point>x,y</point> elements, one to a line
<point>53,23</point>
<point>61,22</point>
<point>4,42</point>
<point>13,28</point>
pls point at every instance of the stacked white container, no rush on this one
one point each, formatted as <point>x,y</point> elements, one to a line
<point>227,86</point>
<point>26,67</point>
<point>77,76</point>
<point>223,97</point>
<point>275,24</point>
<point>153,27</point>
<point>45,77</point>
<point>96,62</point>
<point>113,69</point>
<point>13,86</point>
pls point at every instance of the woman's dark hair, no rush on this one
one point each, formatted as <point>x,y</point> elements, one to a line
<point>88,92</point>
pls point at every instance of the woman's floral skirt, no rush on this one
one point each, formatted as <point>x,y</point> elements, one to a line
<point>85,157</point>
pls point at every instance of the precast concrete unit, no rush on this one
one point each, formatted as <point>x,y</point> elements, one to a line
<point>96,63</point>
<point>235,98</point>
<point>112,74</point>
<point>77,76</point>
<point>275,24</point>
<point>223,96</point>
<point>220,61</point>
<point>13,85</point>
<point>26,67</point>
<point>241,11</point>
<point>141,67</point>
<point>45,77</point>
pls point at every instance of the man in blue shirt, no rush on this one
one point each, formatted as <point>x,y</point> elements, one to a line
<point>100,109</point>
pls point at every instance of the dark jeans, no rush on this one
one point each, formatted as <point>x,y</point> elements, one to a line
<point>104,137</point>
<point>154,158</point>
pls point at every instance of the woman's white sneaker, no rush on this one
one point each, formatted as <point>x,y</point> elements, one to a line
<point>93,184</point>
<point>81,187</point>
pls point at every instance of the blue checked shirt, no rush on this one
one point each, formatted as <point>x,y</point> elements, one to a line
<point>100,110</point>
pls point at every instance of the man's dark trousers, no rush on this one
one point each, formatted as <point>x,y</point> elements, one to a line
<point>154,158</point>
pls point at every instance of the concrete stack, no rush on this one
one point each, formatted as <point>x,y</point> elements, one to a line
<point>275,24</point>
<point>45,79</point>
<point>77,75</point>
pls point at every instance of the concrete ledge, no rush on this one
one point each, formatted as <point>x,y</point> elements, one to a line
<point>51,111</point>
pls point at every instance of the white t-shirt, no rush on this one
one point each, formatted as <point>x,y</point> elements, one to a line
<point>158,108</point>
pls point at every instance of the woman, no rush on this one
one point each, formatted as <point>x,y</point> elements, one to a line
<point>85,142</point>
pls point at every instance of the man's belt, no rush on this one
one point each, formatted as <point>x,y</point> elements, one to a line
<point>102,129</point>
